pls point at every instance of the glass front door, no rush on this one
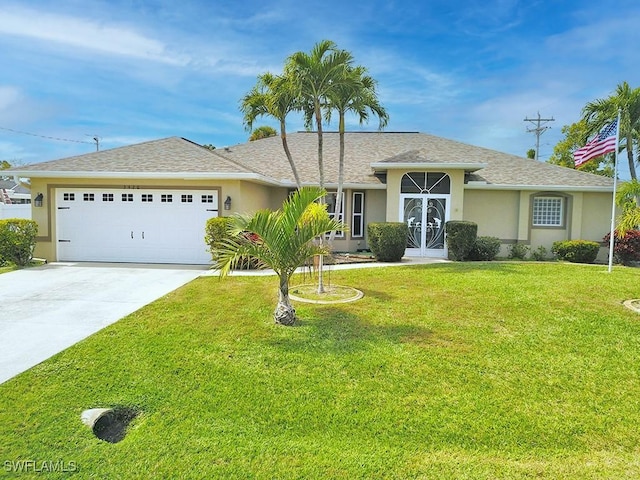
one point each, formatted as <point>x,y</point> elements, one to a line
<point>425,215</point>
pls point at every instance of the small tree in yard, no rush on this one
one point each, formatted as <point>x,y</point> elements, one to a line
<point>282,240</point>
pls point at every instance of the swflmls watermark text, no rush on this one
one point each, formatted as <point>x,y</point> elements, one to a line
<point>40,466</point>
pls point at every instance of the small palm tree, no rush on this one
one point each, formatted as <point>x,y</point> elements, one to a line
<point>626,197</point>
<point>281,240</point>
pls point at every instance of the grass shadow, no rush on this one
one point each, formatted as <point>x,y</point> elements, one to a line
<point>335,331</point>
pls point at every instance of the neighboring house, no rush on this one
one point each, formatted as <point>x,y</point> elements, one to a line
<point>148,202</point>
<point>14,200</point>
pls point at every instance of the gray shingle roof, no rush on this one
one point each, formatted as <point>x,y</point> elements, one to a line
<point>266,157</point>
<point>364,148</point>
<point>173,154</point>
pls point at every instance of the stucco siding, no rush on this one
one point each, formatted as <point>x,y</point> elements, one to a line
<point>495,212</point>
<point>596,216</point>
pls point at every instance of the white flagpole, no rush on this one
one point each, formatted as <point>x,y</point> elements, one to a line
<point>613,203</point>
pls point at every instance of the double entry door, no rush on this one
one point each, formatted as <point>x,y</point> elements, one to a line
<point>425,215</point>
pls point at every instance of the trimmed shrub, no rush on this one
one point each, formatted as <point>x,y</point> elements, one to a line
<point>17,240</point>
<point>388,240</point>
<point>461,236</point>
<point>485,249</point>
<point>626,250</point>
<point>576,251</point>
<point>215,230</point>
<point>540,254</point>
<point>518,251</point>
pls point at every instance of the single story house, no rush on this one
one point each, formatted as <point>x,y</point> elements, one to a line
<point>149,202</point>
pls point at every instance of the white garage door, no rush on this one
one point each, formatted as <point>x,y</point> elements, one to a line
<point>134,225</point>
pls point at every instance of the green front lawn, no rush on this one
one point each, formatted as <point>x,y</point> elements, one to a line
<point>474,370</point>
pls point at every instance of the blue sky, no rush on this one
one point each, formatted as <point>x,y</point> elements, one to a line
<point>136,70</point>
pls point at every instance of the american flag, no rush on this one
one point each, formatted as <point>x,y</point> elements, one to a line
<point>602,143</point>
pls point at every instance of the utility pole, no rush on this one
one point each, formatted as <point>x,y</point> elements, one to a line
<point>96,139</point>
<point>539,129</point>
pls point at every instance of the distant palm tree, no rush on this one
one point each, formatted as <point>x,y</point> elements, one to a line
<point>274,96</point>
<point>264,131</point>
<point>282,240</point>
<point>602,111</point>
<point>356,94</point>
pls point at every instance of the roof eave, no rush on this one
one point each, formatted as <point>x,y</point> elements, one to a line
<point>470,167</point>
<point>537,188</point>
<point>145,175</point>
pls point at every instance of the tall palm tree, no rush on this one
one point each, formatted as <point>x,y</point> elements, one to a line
<point>282,240</point>
<point>315,75</point>
<point>356,94</point>
<point>275,96</point>
<point>603,111</point>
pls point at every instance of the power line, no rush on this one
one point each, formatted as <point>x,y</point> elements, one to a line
<point>539,130</point>
<point>50,138</point>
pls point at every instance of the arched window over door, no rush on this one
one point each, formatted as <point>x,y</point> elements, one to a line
<point>425,183</point>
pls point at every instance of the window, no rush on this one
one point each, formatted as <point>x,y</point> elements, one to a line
<point>330,199</point>
<point>147,197</point>
<point>88,197</point>
<point>107,197</point>
<point>207,198</point>
<point>166,198</point>
<point>186,198</point>
<point>70,197</point>
<point>127,197</point>
<point>548,211</point>
<point>357,216</point>
<point>425,182</point>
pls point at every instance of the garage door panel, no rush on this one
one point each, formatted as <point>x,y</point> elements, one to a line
<point>147,226</point>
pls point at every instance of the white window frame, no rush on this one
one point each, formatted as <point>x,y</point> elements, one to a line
<point>332,214</point>
<point>357,218</point>
<point>548,211</point>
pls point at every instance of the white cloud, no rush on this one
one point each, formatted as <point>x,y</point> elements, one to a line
<point>84,33</point>
<point>9,96</point>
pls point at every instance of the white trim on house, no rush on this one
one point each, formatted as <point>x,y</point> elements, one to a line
<point>536,188</point>
<point>472,167</point>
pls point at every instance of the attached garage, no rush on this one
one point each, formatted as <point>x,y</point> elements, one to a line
<point>134,225</point>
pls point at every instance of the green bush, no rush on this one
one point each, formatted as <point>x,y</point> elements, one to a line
<point>576,251</point>
<point>17,240</point>
<point>216,229</point>
<point>485,249</point>
<point>518,251</point>
<point>626,250</point>
<point>388,240</point>
<point>461,236</point>
<point>539,254</point>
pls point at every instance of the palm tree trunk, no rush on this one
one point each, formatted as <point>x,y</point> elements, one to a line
<point>284,314</point>
<point>341,129</point>
<point>632,165</point>
<point>285,145</point>
<point>321,169</point>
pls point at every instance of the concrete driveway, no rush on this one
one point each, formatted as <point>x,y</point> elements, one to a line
<point>44,310</point>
